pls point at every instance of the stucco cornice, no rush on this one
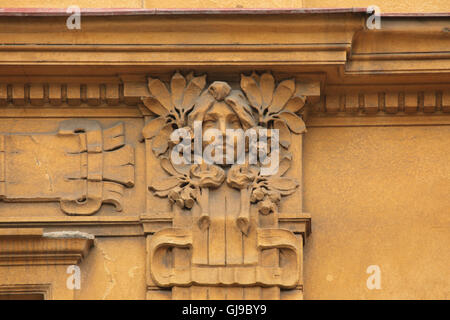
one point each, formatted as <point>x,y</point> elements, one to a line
<point>334,41</point>
<point>402,67</point>
<point>221,39</point>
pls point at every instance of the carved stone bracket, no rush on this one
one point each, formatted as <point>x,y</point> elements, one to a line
<point>224,228</point>
<point>251,273</point>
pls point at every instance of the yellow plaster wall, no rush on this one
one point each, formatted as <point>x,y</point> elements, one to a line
<point>386,6</point>
<point>402,6</point>
<point>378,196</point>
<point>114,269</point>
<point>153,4</point>
<point>225,4</point>
<point>67,3</point>
<point>54,275</point>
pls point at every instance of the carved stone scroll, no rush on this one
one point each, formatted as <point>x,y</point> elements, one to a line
<point>225,241</point>
<point>82,166</point>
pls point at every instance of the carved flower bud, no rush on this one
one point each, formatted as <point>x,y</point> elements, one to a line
<point>210,176</point>
<point>187,199</point>
<point>194,193</point>
<point>258,194</point>
<point>266,206</point>
<point>219,90</point>
<point>240,176</point>
<point>189,203</point>
<point>180,203</point>
<point>175,197</point>
<point>275,196</point>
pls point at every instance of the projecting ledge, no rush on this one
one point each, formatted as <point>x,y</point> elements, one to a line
<point>31,246</point>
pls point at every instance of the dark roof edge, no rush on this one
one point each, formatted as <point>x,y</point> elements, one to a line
<point>130,12</point>
<point>45,12</point>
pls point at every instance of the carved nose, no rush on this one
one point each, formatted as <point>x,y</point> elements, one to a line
<point>223,129</point>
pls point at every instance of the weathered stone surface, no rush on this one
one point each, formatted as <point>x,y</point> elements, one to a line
<point>222,238</point>
<point>68,166</point>
<point>87,181</point>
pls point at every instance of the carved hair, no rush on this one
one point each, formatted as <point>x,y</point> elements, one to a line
<point>221,91</point>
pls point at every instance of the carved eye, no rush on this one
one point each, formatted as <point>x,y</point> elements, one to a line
<point>235,123</point>
<point>209,122</point>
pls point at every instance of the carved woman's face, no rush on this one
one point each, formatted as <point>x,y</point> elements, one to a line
<point>221,117</point>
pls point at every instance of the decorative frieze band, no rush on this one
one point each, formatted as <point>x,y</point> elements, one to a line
<point>387,102</point>
<point>127,89</point>
<point>55,94</point>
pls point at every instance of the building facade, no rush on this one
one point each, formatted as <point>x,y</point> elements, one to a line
<point>94,104</point>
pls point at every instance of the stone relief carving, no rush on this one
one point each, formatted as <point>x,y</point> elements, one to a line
<point>231,236</point>
<point>82,166</point>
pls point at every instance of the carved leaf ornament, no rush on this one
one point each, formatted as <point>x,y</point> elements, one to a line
<point>260,104</point>
<point>171,107</point>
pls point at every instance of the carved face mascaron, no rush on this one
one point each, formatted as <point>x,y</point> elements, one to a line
<point>202,191</point>
<point>221,117</point>
<point>219,108</point>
